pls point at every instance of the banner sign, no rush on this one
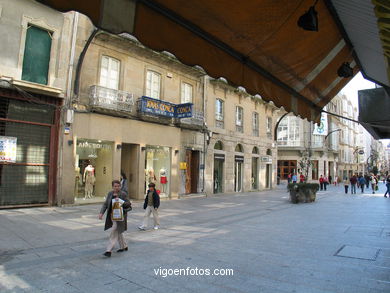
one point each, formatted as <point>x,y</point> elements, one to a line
<point>321,129</point>
<point>183,110</point>
<point>8,149</point>
<point>162,108</point>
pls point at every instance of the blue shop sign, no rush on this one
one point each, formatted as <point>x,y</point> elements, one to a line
<point>183,110</point>
<point>162,108</point>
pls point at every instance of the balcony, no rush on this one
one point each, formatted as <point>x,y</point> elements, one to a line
<point>194,122</point>
<point>110,101</point>
<point>239,128</point>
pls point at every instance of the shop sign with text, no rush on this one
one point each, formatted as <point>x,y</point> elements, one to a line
<point>163,108</point>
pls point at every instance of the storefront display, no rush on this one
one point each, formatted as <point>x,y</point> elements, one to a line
<point>93,168</point>
<point>157,168</point>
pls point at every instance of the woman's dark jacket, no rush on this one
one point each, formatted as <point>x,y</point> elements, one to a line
<point>156,200</point>
<point>107,206</point>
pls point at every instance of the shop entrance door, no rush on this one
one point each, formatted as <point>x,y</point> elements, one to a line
<point>268,176</point>
<point>218,173</point>
<point>192,172</point>
<point>255,173</point>
<point>238,166</point>
<point>130,166</point>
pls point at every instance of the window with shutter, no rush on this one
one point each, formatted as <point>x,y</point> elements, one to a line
<point>36,58</point>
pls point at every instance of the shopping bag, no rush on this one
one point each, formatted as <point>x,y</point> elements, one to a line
<point>117,210</point>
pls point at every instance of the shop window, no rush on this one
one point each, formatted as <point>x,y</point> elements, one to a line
<point>186,93</point>
<point>109,72</point>
<point>36,55</point>
<point>93,168</point>
<point>158,168</point>
<point>153,84</point>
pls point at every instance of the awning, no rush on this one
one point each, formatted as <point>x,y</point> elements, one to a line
<point>366,27</point>
<point>374,111</point>
<point>255,44</point>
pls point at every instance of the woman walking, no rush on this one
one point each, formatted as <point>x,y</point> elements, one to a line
<point>387,185</point>
<point>117,204</point>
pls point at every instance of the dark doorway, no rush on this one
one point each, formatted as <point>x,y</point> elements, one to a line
<point>192,172</point>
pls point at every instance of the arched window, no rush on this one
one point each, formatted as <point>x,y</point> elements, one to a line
<point>255,150</point>
<point>218,145</point>
<point>239,148</point>
<point>269,152</point>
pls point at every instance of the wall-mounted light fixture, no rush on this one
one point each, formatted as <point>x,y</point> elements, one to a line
<point>309,20</point>
<point>118,146</point>
<point>143,148</point>
<point>70,142</point>
<point>176,152</point>
<point>345,70</point>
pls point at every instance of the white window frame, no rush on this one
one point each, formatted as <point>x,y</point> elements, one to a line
<point>109,77</point>
<point>153,84</point>
<point>187,92</point>
<point>269,125</point>
<point>255,123</point>
<point>219,111</point>
<point>239,116</point>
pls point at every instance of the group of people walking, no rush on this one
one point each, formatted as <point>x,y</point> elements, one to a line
<point>362,182</point>
<point>117,205</point>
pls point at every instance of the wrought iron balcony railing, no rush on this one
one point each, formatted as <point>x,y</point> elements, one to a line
<point>106,99</point>
<point>197,118</point>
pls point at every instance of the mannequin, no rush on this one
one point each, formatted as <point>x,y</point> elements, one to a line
<point>89,180</point>
<point>150,176</point>
<point>163,178</point>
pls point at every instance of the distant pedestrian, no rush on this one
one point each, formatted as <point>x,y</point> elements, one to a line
<point>353,181</point>
<point>336,180</point>
<point>368,179</point>
<point>330,180</point>
<point>346,184</point>
<point>326,182</point>
<point>151,205</point>
<point>362,183</point>
<point>387,185</point>
<point>374,183</point>
<point>321,180</point>
<point>301,178</point>
<point>124,183</point>
<point>116,204</point>
<point>289,178</point>
<point>294,178</point>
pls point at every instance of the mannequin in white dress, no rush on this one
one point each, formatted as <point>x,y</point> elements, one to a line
<point>89,180</point>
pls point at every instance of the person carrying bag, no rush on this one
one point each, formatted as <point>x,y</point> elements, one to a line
<point>117,205</point>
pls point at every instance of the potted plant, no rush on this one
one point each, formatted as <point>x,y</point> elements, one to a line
<point>303,192</point>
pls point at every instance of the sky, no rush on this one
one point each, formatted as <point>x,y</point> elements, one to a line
<point>357,83</point>
<point>351,91</point>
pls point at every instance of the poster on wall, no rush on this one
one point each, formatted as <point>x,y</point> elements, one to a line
<point>8,149</point>
<point>322,128</point>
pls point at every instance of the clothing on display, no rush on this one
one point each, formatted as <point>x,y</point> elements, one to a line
<point>89,180</point>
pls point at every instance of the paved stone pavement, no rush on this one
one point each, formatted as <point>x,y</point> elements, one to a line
<point>340,243</point>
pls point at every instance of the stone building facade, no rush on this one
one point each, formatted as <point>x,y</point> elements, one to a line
<point>241,154</point>
<point>34,70</point>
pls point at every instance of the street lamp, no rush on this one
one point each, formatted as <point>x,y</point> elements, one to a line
<point>331,133</point>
